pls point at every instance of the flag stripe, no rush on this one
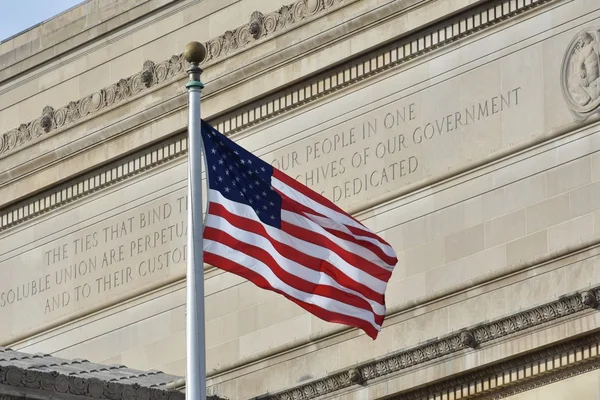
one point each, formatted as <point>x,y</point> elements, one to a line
<point>302,228</point>
<point>341,231</point>
<point>360,236</point>
<point>310,281</point>
<point>244,261</point>
<point>301,271</point>
<point>330,316</point>
<point>312,256</point>
<point>303,195</point>
<point>329,223</point>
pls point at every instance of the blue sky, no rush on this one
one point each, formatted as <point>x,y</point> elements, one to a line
<point>18,15</point>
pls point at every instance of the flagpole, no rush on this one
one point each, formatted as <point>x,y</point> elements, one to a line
<point>195,337</point>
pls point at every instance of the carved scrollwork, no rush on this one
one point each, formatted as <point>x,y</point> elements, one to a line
<point>213,48</point>
<point>10,140</point>
<point>229,42</point>
<point>122,90</point>
<point>271,22</point>
<point>13,376</point>
<point>313,6</point>
<point>23,134</point>
<point>76,385</point>
<point>299,11</point>
<point>35,128</point>
<point>73,113</point>
<point>153,74</point>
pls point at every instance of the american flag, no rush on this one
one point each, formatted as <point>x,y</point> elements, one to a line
<point>275,232</point>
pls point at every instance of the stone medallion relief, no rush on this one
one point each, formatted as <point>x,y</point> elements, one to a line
<point>580,73</point>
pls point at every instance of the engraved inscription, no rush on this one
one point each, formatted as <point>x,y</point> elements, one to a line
<point>107,259</point>
<point>384,150</point>
<point>368,154</point>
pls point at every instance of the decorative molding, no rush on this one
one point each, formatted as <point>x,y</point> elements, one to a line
<point>61,386</point>
<point>259,27</point>
<point>400,52</point>
<point>109,175</point>
<point>7,397</point>
<point>543,381</point>
<point>153,74</point>
<point>435,349</point>
<point>524,373</point>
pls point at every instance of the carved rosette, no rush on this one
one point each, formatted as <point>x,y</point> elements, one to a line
<point>153,74</point>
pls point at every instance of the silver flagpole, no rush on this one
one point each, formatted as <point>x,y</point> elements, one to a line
<point>196,359</point>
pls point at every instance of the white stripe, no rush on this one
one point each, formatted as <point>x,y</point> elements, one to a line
<point>305,247</point>
<point>352,248</point>
<point>314,205</point>
<point>264,271</point>
<point>328,223</point>
<point>292,267</point>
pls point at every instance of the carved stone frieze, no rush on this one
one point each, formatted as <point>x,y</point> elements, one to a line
<point>76,385</point>
<point>465,340</point>
<point>153,74</point>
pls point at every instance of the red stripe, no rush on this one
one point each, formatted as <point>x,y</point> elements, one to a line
<point>290,279</point>
<point>291,253</point>
<point>353,259</point>
<point>297,208</point>
<point>261,282</point>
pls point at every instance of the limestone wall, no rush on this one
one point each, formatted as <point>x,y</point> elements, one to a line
<point>458,148</point>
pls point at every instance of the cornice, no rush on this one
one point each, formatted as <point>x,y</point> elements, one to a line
<point>116,172</point>
<point>470,338</point>
<point>154,74</point>
<point>261,26</point>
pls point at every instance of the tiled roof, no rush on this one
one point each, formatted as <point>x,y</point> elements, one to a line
<point>42,376</point>
<point>83,368</point>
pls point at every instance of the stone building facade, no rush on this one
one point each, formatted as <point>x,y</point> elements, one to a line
<point>465,132</point>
